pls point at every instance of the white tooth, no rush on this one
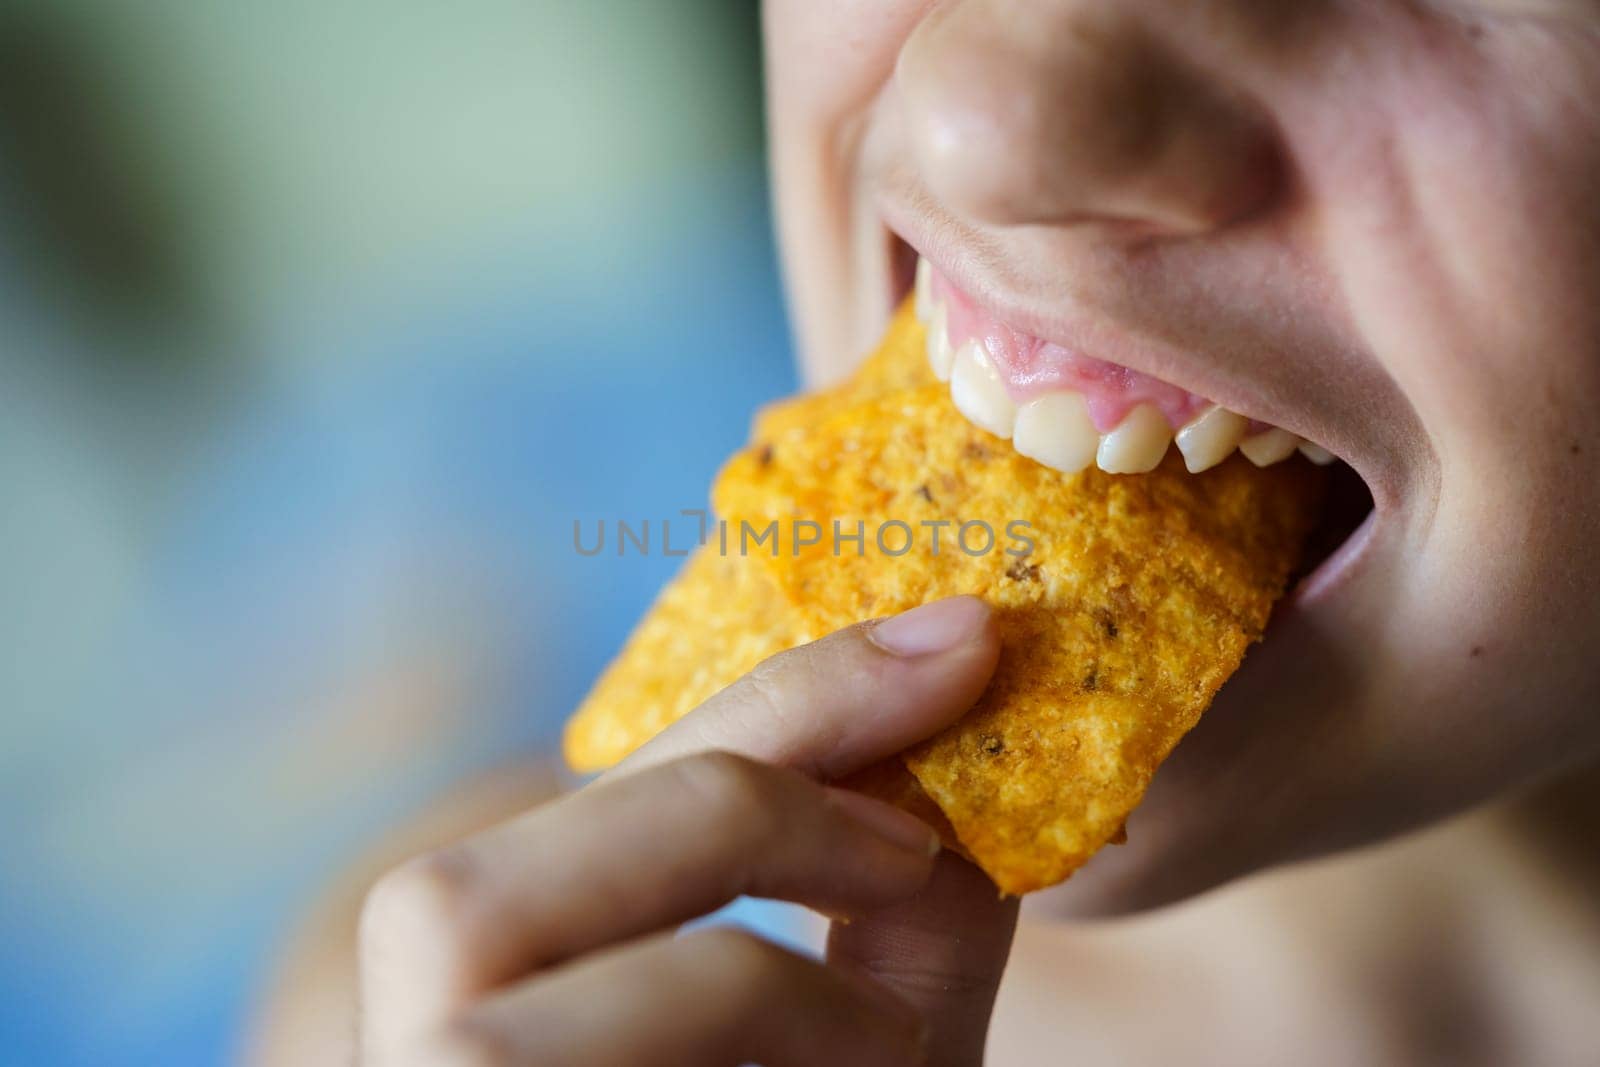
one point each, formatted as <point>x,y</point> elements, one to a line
<point>977,390</point>
<point>1056,430</point>
<point>924,290</point>
<point>1269,446</point>
<point>1316,454</point>
<point>1208,439</point>
<point>940,354</point>
<point>1136,445</point>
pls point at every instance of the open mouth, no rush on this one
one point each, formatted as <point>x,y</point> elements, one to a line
<point>1068,410</point>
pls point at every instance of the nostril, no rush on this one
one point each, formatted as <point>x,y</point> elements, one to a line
<point>1253,173</point>
<point>1080,117</point>
<point>1217,160</point>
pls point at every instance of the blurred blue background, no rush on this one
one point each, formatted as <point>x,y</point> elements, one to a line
<point>320,324</point>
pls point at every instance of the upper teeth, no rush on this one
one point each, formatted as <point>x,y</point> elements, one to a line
<point>1055,429</point>
<point>1269,446</point>
<point>940,355</point>
<point>977,389</point>
<point>1136,444</point>
<point>1210,438</point>
<point>1316,453</point>
<point>924,290</point>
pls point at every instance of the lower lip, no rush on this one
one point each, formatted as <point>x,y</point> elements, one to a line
<point>1339,568</point>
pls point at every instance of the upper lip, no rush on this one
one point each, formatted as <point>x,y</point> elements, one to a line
<point>1078,326</point>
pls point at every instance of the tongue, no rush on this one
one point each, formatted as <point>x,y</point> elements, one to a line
<point>1030,366</point>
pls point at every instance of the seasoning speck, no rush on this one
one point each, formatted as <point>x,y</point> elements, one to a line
<point>1022,571</point>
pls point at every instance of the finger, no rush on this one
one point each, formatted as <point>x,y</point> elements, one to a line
<point>620,859</point>
<point>833,706</point>
<point>716,996</point>
<point>941,951</point>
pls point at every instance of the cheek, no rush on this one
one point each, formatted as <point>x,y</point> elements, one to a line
<point>827,63</point>
<point>1462,224</point>
<point>1509,191</point>
<point>827,59</point>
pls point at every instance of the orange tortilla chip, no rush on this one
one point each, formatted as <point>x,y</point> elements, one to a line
<point>717,619</point>
<point>899,363</point>
<point>720,616</point>
<point>1124,602</point>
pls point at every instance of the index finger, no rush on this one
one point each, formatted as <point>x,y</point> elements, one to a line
<point>836,705</point>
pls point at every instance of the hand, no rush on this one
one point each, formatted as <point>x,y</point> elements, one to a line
<point>549,939</point>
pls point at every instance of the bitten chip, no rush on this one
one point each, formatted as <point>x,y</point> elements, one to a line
<point>1124,602</point>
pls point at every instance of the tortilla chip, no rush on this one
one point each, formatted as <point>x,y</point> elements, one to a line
<point>900,362</point>
<point>1124,602</point>
<point>721,616</point>
<point>717,619</point>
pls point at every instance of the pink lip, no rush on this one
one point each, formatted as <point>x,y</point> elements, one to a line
<point>1030,366</point>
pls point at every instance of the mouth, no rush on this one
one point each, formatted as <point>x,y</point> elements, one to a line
<point>1068,410</point>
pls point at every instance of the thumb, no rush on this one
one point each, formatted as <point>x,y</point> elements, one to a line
<point>836,705</point>
<point>943,951</point>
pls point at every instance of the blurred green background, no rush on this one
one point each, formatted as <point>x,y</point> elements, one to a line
<point>320,325</point>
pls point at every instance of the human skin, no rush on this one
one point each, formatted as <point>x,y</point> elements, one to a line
<point>1371,223</point>
<point>549,938</point>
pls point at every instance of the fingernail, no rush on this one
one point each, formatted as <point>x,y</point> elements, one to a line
<point>890,823</point>
<point>935,627</point>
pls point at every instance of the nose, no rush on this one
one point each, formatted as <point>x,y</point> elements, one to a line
<point>1072,111</point>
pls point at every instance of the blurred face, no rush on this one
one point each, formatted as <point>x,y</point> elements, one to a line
<point>1370,223</point>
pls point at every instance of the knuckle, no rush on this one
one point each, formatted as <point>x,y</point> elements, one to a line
<point>765,685</point>
<point>923,981</point>
<point>782,693</point>
<point>424,901</point>
<point>740,787</point>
